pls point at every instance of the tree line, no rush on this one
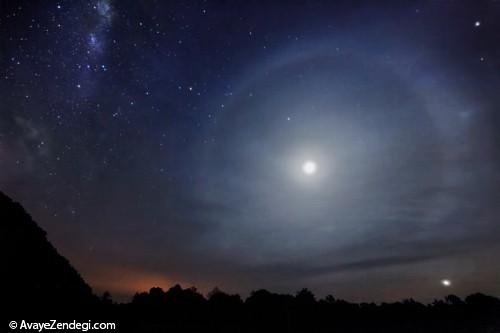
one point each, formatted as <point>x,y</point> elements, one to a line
<point>187,310</point>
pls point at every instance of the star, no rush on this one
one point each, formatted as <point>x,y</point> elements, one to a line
<point>446,282</point>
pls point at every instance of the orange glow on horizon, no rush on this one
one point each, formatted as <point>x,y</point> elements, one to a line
<point>124,282</point>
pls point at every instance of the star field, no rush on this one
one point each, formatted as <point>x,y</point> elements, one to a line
<point>312,144</point>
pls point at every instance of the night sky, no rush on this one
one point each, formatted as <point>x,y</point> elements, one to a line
<point>351,148</point>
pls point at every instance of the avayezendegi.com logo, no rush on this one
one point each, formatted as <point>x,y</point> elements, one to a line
<point>56,325</point>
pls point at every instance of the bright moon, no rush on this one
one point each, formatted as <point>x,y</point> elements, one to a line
<point>309,167</point>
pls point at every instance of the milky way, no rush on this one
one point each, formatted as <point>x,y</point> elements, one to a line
<point>161,143</point>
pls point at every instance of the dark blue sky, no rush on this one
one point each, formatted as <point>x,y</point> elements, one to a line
<point>164,142</point>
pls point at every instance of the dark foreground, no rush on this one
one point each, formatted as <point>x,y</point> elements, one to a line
<point>185,310</point>
<point>40,285</point>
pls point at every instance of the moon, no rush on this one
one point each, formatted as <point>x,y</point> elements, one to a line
<point>309,167</point>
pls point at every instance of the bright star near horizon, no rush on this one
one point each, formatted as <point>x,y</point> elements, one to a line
<point>309,167</point>
<point>446,282</point>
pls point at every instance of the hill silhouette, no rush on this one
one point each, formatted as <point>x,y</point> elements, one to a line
<point>39,282</point>
<point>38,279</point>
